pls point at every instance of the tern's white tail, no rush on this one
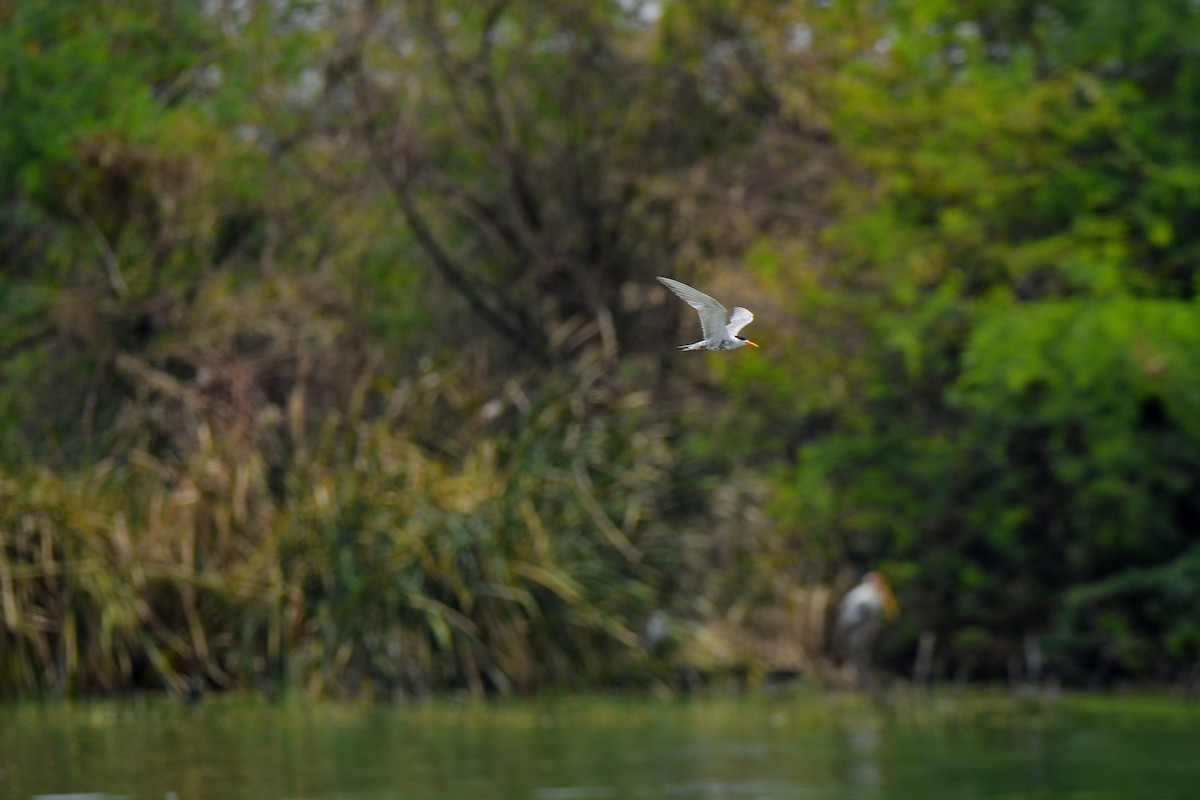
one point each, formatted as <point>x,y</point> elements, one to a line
<point>693,346</point>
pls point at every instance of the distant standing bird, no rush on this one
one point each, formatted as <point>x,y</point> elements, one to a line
<point>860,614</point>
<point>718,335</point>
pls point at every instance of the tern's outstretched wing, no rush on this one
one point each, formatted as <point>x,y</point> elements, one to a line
<point>740,319</point>
<point>712,313</point>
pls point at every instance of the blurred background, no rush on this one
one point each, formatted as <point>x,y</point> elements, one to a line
<point>332,356</point>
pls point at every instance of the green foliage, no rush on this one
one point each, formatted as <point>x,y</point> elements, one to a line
<point>330,350</point>
<point>1023,442</point>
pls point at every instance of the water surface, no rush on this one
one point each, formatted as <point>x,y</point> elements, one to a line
<point>803,745</point>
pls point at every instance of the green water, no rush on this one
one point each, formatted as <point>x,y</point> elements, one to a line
<point>805,745</point>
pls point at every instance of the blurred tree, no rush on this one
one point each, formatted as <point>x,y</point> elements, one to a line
<point>330,349</point>
<point>550,159</point>
<point>1018,262</point>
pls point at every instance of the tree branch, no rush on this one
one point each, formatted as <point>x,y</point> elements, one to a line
<point>112,270</point>
<point>520,335</point>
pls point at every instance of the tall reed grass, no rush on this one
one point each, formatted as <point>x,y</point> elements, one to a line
<point>277,510</point>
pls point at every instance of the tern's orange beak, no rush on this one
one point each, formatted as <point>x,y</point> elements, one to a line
<point>752,344</point>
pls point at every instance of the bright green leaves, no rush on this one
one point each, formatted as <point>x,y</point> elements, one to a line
<point>75,72</point>
<point>1110,392</point>
<point>1105,352</point>
<point>1017,252</point>
<point>980,178</point>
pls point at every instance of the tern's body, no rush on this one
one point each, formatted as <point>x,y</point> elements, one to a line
<point>718,334</point>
